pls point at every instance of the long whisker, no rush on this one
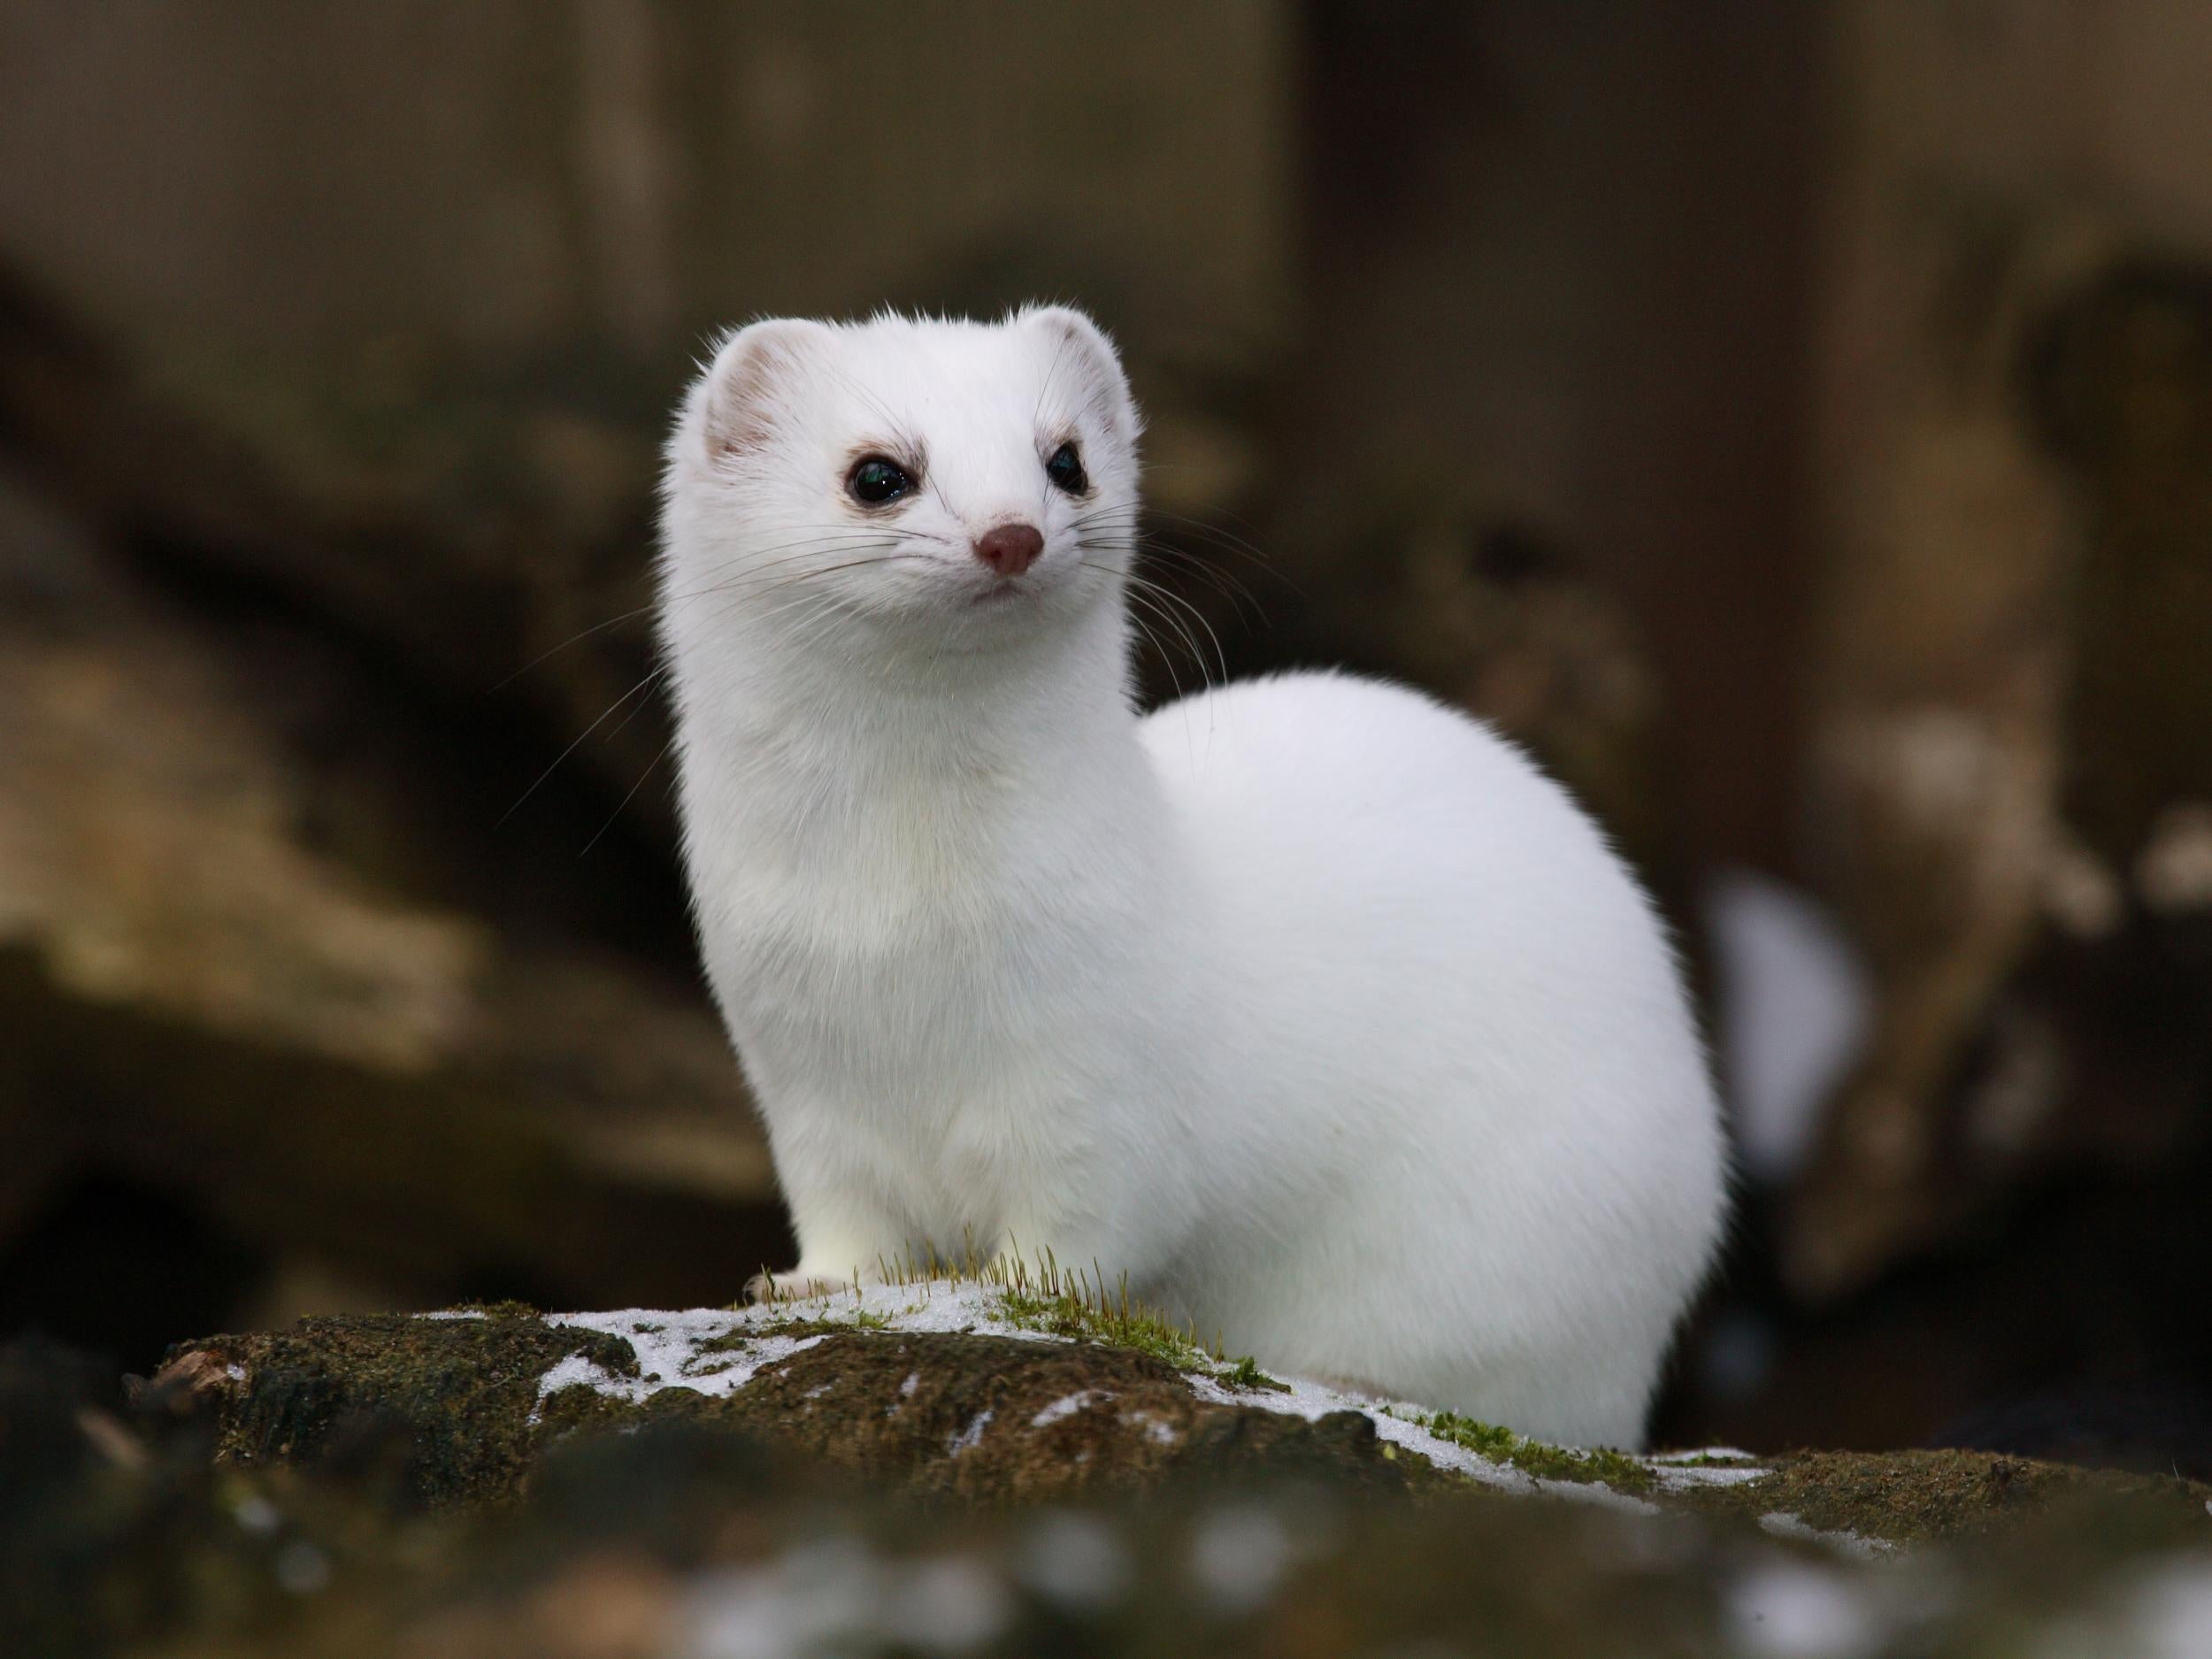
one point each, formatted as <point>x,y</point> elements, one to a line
<point>627,799</point>
<point>1222,581</point>
<point>1173,601</point>
<point>573,639</point>
<point>1141,510</point>
<point>1166,656</point>
<point>1228,584</point>
<point>1171,607</point>
<point>572,748</point>
<point>642,703</point>
<point>812,544</point>
<point>1153,606</point>
<point>801,577</point>
<point>1130,517</point>
<point>753,572</point>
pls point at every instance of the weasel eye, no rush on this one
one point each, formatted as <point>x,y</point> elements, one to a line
<point>875,480</point>
<point>1065,469</point>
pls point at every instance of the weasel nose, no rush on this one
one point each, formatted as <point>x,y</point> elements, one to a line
<point>1010,548</point>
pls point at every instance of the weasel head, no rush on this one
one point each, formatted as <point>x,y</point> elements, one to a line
<point>948,486</point>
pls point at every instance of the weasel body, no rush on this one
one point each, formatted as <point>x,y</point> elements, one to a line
<point>1308,1003</point>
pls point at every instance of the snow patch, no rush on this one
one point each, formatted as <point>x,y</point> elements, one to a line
<point>1067,1406</point>
<point>1158,1432</point>
<point>717,1351</point>
<point>1853,1544</point>
<point>1704,1466</point>
<point>1695,1454</point>
<point>695,1349</point>
<point>685,1349</point>
<point>1678,1478</point>
<point>1393,1421</point>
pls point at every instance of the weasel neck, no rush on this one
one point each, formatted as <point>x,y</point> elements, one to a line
<point>908,777</point>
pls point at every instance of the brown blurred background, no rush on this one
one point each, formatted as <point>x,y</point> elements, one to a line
<point>1792,420</point>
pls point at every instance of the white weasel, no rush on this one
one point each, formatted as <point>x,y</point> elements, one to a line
<point>1308,1003</point>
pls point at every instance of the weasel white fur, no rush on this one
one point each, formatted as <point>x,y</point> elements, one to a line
<point>1308,1003</point>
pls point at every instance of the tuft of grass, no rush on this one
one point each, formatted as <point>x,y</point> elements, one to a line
<point>1533,1457</point>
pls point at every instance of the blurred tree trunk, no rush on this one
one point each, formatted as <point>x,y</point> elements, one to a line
<point>268,953</point>
<point>1554,268</point>
<point>2011,691</point>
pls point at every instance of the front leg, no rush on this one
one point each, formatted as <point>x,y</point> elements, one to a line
<point>840,1234</point>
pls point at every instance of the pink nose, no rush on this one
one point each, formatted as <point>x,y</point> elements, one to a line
<point>1010,548</point>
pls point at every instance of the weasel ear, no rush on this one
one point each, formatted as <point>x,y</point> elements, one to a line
<point>1082,353</point>
<point>755,373</point>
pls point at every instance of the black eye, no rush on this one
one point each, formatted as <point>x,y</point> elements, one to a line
<point>876,480</point>
<point>1065,469</point>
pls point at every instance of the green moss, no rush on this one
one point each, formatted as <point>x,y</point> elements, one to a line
<point>1123,1324</point>
<point>1533,1457</point>
<point>1246,1374</point>
<point>1485,1440</point>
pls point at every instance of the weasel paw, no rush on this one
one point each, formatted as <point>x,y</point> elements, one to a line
<point>793,1286</point>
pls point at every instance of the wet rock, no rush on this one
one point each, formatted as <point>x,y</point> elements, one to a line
<point>979,1416</point>
<point>961,1405</point>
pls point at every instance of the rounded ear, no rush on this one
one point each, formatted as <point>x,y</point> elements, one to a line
<point>755,373</point>
<point>1079,347</point>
